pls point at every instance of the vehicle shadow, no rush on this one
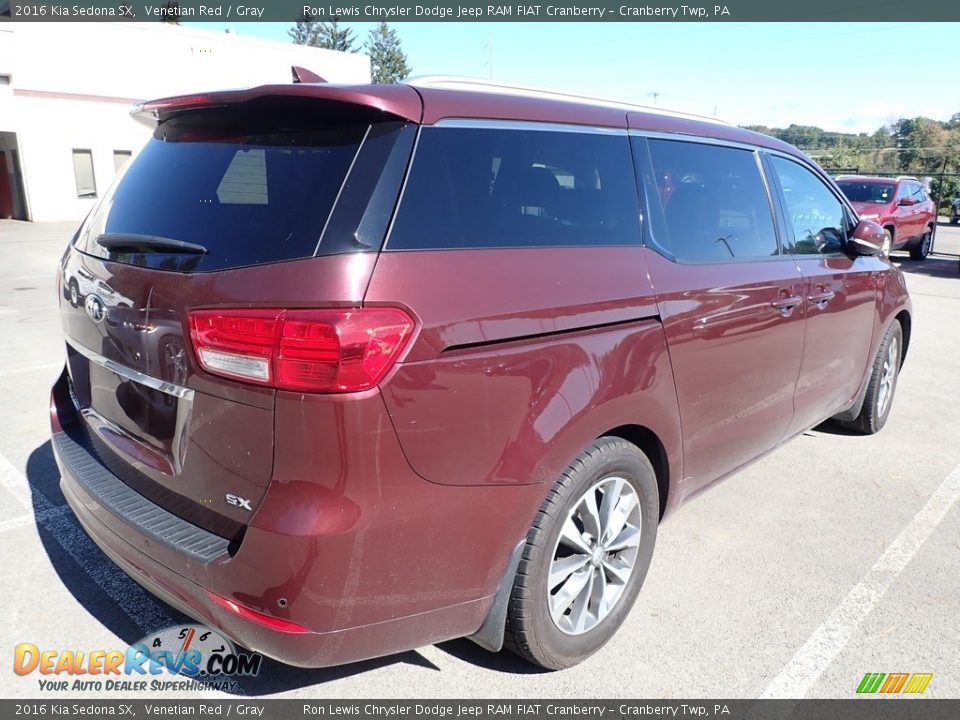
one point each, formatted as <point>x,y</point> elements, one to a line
<point>131,613</point>
<point>832,427</point>
<point>941,266</point>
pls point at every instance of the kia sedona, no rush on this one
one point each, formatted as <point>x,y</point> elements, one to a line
<point>383,366</point>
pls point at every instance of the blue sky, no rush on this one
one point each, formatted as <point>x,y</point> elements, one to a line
<point>839,76</point>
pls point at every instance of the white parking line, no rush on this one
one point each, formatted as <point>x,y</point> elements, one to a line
<point>14,481</point>
<point>144,611</point>
<point>826,642</point>
<point>14,311</point>
<point>39,518</point>
<point>130,598</point>
<point>32,368</point>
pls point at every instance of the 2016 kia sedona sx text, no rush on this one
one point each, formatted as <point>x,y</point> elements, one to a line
<point>356,369</point>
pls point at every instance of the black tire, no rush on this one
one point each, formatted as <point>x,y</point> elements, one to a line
<point>872,417</point>
<point>954,219</point>
<point>531,631</point>
<point>922,248</point>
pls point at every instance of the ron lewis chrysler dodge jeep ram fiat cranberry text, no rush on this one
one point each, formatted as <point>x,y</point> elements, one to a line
<point>355,369</point>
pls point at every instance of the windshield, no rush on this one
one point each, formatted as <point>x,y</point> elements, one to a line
<point>868,192</point>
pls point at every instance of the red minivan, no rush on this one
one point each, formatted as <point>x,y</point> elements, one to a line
<point>357,369</point>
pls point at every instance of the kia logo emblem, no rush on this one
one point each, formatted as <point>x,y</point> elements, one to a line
<point>95,308</point>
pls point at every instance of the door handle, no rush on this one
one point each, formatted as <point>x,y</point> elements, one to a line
<point>821,299</point>
<point>786,304</point>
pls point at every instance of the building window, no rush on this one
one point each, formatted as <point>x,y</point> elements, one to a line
<point>83,173</point>
<point>120,158</point>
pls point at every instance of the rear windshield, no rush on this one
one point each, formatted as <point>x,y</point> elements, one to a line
<point>879,193</point>
<point>248,195</point>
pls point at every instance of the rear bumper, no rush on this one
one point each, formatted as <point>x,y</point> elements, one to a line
<point>386,564</point>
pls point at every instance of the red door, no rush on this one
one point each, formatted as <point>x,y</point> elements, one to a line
<point>735,336</point>
<point>731,304</point>
<point>839,295</point>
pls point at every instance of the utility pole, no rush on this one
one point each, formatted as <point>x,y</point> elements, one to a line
<point>654,95</point>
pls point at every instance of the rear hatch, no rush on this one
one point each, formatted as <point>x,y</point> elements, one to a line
<point>269,202</point>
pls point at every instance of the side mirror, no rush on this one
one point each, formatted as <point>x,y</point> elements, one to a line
<point>907,202</point>
<point>868,238</point>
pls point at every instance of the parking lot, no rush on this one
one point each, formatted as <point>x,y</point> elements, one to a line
<point>832,557</point>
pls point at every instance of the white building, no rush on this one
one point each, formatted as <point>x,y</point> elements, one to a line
<point>66,90</point>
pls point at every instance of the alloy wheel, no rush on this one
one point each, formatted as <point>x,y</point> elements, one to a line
<point>888,377</point>
<point>594,556</point>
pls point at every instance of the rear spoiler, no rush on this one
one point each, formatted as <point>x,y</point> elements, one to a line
<point>398,101</point>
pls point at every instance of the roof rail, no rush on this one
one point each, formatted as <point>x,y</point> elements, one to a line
<point>907,177</point>
<point>453,82</point>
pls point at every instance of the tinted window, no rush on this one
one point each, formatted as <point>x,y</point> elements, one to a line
<point>814,214</point>
<point>247,195</point>
<point>715,206</point>
<point>514,188</point>
<point>867,192</point>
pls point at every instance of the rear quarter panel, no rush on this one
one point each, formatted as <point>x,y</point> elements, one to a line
<point>523,358</point>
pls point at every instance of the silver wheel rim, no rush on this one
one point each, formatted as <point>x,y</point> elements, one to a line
<point>925,245</point>
<point>594,556</point>
<point>887,244</point>
<point>888,378</point>
<point>74,295</point>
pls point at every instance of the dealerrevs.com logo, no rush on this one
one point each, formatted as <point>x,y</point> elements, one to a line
<point>201,657</point>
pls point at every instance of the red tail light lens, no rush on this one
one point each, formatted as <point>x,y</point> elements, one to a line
<point>260,618</point>
<point>307,350</point>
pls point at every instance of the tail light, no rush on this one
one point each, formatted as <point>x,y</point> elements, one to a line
<point>337,350</point>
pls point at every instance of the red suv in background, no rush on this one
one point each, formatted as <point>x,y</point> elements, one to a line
<point>900,205</point>
<point>374,367</point>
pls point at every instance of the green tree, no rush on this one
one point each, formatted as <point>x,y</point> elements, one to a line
<point>333,37</point>
<point>327,35</point>
<point>305,31</point>
<point>388,63</point>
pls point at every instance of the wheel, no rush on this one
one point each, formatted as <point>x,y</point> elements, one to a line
<point>954,219</point>
<point>586,556</point>
<point>922,248</point>
<point>883,383</point>
<point>888,241</point>
<point>74,292</point>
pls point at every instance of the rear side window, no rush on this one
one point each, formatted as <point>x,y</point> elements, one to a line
<point>714,203</point>
<point>480,188</point>
<point>249,194</point>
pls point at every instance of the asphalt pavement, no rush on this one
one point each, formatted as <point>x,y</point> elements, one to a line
<point>834,556</point>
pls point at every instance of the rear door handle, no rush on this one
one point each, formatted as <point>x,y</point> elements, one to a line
<point>786,304</point>
<point>821,299</point>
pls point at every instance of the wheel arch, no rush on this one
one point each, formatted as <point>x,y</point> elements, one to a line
<point>906,323</point>
<point>651,446</point>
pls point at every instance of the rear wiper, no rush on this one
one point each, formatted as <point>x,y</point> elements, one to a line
<point>131,242</point>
